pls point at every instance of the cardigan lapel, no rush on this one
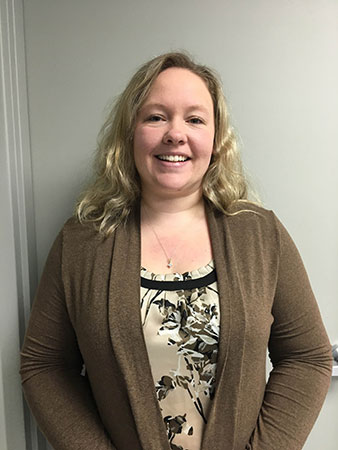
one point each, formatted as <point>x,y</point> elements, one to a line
<point>223,412</point>
<point>127,335</point>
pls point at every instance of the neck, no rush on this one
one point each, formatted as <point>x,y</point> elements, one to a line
<point>170,229</point>
<point>158,206</point>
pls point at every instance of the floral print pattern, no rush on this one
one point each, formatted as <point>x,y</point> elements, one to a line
<point>181,329</point>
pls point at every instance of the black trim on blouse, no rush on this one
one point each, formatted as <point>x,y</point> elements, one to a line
<point>178,285</point>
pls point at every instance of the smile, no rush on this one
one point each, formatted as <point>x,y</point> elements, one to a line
<point>172,158</point>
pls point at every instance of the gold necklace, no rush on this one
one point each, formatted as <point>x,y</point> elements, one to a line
<point>169,259</point>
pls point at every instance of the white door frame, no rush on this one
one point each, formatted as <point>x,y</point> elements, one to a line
<point>18,262</point>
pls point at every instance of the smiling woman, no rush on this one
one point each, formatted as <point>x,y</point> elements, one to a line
<point>169,286</point>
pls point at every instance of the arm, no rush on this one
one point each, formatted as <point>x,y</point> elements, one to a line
<point>301,357</point>
<point>59,397</point>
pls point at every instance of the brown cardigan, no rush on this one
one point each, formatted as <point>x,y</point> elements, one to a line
<point>87,309</point>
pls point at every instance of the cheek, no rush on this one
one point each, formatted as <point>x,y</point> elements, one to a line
<point>145,139</point>
<point>144,143</point>
<point>206,144</point>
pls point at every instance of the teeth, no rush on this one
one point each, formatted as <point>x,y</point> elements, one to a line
<point>172,158</point>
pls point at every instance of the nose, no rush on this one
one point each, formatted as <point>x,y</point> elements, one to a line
<point>175,135</point>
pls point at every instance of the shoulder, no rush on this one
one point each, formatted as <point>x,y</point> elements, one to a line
<point>79,239</point>
<point>248,225</point>
<point>80,248</point>
<point>73,229</point>
<point>245,214</point>
<point>252,222</point>
<point>244,206</point>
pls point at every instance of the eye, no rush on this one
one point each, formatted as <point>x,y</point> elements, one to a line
<point>196,120</point>
<point>154,118</point>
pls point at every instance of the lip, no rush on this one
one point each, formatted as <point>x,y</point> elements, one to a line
<point>172,164</point>
<point>183,155</point>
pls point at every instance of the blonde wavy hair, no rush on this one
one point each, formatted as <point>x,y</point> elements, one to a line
<point>116,187</point>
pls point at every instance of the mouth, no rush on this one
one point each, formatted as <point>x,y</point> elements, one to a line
<point>172,158</point>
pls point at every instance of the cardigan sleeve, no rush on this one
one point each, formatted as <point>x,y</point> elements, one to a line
<point>300,353</point>
<point>59,396</point>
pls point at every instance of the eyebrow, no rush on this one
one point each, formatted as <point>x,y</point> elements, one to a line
<point>190,108</point>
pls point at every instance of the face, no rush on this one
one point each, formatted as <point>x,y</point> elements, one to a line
<point>174,134</point>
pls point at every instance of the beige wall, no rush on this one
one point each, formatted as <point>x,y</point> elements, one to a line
<point>278,61</point>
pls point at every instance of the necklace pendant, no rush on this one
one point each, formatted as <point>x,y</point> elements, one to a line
<point>170,264</point>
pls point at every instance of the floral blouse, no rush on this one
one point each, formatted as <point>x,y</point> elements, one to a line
<point>180,317</point>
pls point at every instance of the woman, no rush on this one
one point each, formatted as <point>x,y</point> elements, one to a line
<point>175,354</point>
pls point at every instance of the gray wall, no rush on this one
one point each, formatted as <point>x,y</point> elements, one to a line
<point>278,61</point>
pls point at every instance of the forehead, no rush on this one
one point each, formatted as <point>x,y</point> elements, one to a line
<point>178,84</point>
